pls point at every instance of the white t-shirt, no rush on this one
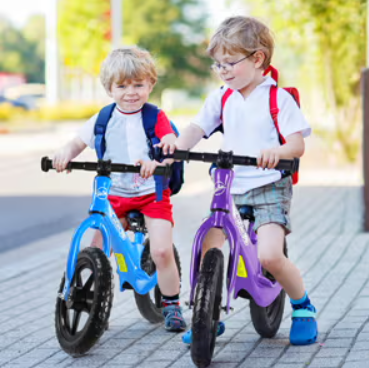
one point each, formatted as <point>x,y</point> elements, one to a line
<point>249,128</point>
<point>126,143</point>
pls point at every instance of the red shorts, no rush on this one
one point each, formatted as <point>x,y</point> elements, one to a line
<point>146,204</point>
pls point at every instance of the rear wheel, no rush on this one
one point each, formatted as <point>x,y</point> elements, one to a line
<point>267,320</point>
<point>206,312</point>
<point>149,304</point>
<point>80,321</point>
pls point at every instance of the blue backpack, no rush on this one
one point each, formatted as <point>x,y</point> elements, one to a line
<point>149,118</point>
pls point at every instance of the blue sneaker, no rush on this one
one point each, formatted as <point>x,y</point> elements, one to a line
<point>187,337</point>
<point>174,320</point>
<point>304,329</point>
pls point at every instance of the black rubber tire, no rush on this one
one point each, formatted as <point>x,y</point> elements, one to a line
<point>148,306</point>
<point>267,320</point>
<point>96,302</point>
<point>207,307</point>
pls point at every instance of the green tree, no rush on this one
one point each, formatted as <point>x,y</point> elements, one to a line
<point>173,30</point>
<point>326,38</point>
<point>22,50</point>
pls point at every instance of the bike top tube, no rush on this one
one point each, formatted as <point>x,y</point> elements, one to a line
<point>105,167</point>
<point>226,160</point>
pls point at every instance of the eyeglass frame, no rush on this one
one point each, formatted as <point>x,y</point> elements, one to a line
<point>229,66</point>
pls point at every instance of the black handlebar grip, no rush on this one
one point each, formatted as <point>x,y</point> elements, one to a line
<point>46,164</point>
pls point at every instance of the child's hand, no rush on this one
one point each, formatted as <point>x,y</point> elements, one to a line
<point>268,158</point>
<point>167,148</point>
<point>147,168</point>
<point>61,159</point>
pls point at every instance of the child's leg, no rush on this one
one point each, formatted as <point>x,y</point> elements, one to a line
<point>161,249</point>
<point>304,328</point>
<point>270,249</point>
<point>215,238</point>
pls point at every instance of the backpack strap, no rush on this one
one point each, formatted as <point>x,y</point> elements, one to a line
<point>225,97</point>
<point>274,110</point>
<point>100,129</point>
<point>150,114</point>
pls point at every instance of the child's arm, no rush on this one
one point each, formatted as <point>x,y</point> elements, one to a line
<point>187,140</point>
<point>293,148</point>
<point>67,153</point>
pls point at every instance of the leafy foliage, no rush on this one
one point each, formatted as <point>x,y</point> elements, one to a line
<point>173,30</point>
<point>22,50</point>
<point>327,39</point>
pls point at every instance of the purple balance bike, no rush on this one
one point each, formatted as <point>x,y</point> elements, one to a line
<point>245,276</point>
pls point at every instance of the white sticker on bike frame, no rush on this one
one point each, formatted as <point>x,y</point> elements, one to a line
<point>240,224</point>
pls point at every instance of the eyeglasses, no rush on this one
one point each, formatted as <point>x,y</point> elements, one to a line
<point>228,66</point>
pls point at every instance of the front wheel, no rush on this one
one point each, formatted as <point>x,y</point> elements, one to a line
<point>266,320</point>
<point>82,319</point>
<point>206,312</point>
<point>149,304</point>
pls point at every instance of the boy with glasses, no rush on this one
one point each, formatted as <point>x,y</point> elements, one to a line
<point>242,49</point>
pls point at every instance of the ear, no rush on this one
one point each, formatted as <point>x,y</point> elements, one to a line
<point>151,86</point>
<point>259,58</point>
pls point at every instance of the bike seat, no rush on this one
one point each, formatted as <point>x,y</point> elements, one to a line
<point>136,221</point>
<point>246,212</point>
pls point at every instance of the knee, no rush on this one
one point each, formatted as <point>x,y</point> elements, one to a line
<point>161,256</point>
<point>273,264</point>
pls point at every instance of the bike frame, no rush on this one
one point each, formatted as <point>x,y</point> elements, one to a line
<point>244,269</point>
<point>127,254</point>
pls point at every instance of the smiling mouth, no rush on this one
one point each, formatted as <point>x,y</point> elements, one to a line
<point>229,79</point>
<point>131,101</point>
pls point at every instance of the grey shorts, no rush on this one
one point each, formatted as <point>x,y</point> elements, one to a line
<point>271,203</point>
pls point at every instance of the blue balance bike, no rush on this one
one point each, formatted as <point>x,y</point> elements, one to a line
<point>85,295</point>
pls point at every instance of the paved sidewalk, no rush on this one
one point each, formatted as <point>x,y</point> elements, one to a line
<point>327,245</point>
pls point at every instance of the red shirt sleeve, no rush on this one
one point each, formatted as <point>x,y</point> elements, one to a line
<point>163,126</point>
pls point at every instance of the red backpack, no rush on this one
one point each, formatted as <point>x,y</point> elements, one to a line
<point>273,104</point>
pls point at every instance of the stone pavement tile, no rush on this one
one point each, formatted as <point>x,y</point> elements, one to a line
<point>293,365</point>
<point>128,359</point>
<point>116,343</point>
<point>230,357</point>
<point>325,363</point>
<point>185,362</point>
<point>273,343</point>
<point>312,348</point>
<point>245,337</point>
<point>362,364</point>
<point>164,355</point>
<point>337,343</point>
<point>295,358</point>
<point>266,353</point>
<point>358,355</point>
<point>363,336</point>
<point>238,346</point>
<point>257,363</point>
<point>145,364</point>
<point>338,334</point>
<point>360,345</point>
<point>349,325</point>
<point>332,352</point>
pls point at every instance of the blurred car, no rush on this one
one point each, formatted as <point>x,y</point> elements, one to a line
<point>14,103</point>
<point>29,95</point>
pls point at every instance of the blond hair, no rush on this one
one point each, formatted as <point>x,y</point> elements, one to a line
<point>243,35</point>
<point>127,63</point>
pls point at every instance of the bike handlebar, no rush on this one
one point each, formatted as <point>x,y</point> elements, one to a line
<point>104,167</point>
<point>229,159</point>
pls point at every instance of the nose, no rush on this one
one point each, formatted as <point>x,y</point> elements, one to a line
<point>130,90</point>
